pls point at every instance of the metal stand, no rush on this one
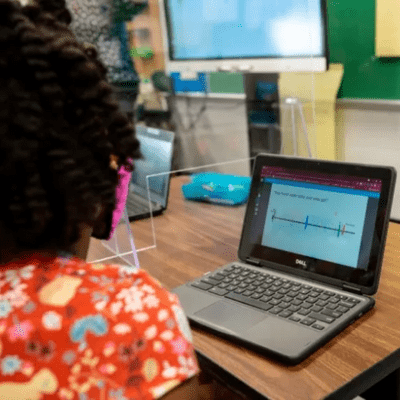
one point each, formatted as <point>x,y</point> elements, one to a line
<point>294,103</point>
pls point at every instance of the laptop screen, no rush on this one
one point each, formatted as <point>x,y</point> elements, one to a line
<point>317,217</point>
<point>327,217</point>
<point>157,148</point>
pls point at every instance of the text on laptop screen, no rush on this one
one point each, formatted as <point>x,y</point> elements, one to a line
<point>321,216</point>
<point>156,159</point>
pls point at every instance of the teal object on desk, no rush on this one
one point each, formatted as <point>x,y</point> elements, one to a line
<point>218,188</point>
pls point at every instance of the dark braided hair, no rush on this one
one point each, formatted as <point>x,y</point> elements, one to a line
<point>59,126</point>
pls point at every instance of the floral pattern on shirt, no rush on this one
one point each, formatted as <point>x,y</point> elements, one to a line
<point>72,330</point>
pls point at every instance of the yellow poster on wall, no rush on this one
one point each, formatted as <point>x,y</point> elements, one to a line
<point>308,112</point>
<point>387,32</point>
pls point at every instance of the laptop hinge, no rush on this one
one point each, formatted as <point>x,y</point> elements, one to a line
<point>252,261</point>
<point>351,289</point>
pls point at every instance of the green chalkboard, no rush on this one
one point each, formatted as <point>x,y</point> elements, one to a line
<point>351,41</point>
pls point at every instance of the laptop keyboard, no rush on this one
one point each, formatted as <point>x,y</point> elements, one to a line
<point>305,304</point>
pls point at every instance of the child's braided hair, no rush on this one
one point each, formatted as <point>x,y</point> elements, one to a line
<point>59,126</point>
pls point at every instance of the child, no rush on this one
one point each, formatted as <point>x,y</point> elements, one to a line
<point>70,329</point>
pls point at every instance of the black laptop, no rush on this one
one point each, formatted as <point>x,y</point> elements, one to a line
<point>149,188</point>
<point>310,257</point>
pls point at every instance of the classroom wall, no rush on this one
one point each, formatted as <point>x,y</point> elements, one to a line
<point>372,135</point>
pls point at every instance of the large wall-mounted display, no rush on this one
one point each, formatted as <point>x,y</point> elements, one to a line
<point>245,35</point>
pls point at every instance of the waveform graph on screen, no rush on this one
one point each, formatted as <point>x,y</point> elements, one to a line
<point>321,224</point>
<point>325,236</point>
<point>336,228</point>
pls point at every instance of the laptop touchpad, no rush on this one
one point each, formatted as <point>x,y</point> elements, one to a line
<point>230,316</point>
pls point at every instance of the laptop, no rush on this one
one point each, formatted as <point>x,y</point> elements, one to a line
<point>310,257</point>
<point>156,146</point>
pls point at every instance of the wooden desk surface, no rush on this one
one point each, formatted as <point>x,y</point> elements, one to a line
<point>193,238</point>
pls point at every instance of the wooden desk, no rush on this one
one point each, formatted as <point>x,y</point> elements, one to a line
<point>193,238</point>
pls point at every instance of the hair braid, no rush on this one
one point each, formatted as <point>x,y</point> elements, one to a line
<point>59,125</point>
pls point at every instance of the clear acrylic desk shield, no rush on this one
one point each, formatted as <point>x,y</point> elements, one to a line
<point>176,228</point>
<point>221,148</point>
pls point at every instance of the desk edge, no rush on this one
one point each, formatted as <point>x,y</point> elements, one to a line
<point>368,378</point>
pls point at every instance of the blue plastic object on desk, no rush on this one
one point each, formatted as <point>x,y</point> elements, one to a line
<point>218,188</point>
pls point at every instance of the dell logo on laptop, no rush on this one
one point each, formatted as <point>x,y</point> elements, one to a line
<point>301,262</point>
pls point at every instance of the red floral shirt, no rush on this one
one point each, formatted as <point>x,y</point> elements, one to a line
<point>72,330</point>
